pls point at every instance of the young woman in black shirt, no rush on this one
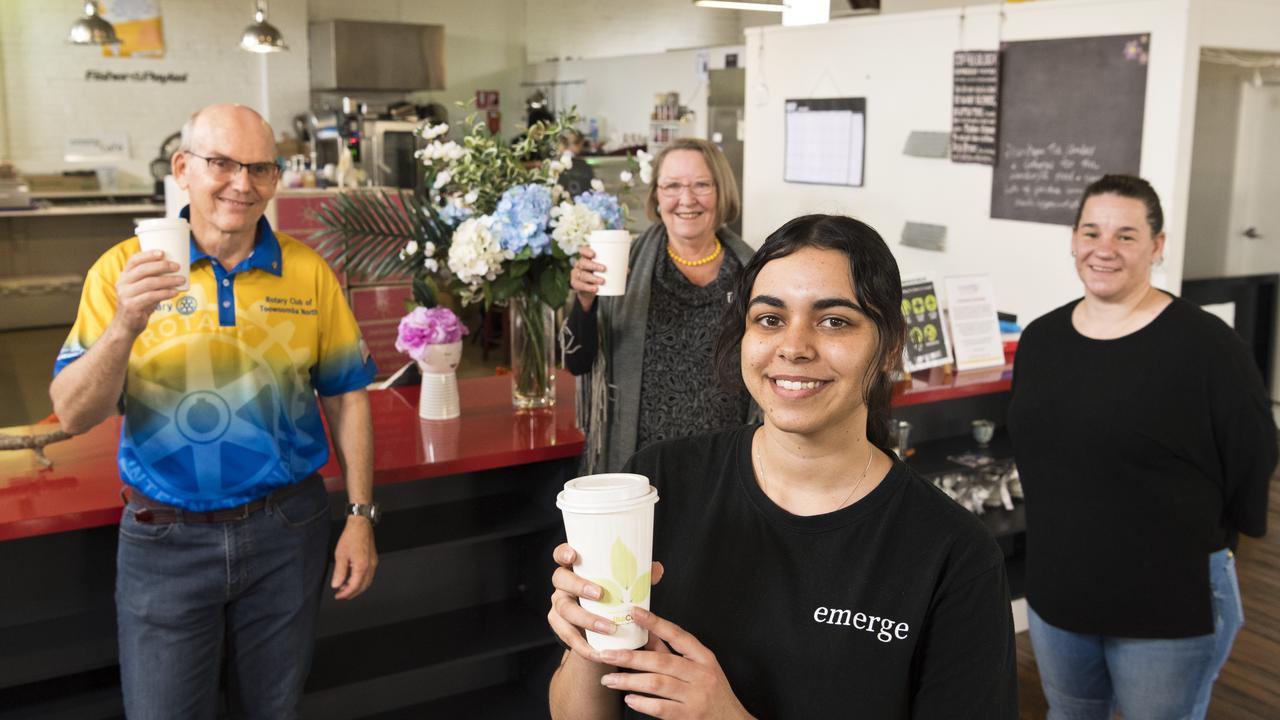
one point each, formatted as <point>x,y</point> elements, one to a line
<point>804,571</point>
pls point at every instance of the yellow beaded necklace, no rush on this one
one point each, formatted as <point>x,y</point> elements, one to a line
<point>695,263</point>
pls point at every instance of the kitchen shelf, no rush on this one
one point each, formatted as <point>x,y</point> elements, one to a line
<point>463,522</point>
<point>483,631</point>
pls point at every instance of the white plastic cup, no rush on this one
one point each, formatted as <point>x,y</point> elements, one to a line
<point>608,519</point>
<point>173,237</point>
<point>612,248</point>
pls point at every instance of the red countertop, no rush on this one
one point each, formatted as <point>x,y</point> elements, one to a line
<point>935,385</point>
<point>82,489</point>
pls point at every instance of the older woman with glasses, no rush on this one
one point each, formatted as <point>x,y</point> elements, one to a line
<point>646,356</point>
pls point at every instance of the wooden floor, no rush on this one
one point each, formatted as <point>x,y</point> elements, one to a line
<point>1249,686</point>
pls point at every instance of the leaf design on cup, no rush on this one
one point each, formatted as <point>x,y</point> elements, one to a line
<point>612,593</point>
<point>623,563</point>
<point>640,589</point>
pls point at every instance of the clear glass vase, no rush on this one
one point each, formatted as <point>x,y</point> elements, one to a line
<point>533,345</point>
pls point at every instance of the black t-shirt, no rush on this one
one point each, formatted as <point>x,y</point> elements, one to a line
<point>894,607</point>
<point>1139,457</point>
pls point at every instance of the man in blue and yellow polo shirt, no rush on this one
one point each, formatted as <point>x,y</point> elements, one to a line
<point>224,538</point>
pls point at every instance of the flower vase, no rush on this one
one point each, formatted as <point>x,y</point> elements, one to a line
<point>533,330</point>
<point>438,396</point>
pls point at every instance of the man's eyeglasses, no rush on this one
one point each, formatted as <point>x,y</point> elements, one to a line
<point>701,188</point>
<point>225,168</point>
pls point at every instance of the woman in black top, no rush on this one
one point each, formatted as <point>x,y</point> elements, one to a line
<point>807,573</point>
<point>1145,442</point>
<point>645,357</point>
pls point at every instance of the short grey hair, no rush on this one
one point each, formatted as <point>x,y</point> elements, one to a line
<point>188,129</point>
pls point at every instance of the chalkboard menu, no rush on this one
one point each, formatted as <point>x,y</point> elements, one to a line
<point>927,343</point>
<point>1070,112</point>
<point>974,106</point>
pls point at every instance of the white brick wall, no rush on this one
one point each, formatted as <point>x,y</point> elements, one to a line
<point>571,29</point>
<point>47,98</point>
<point>44,96</point>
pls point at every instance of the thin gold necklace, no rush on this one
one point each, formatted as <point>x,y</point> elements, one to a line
<point>870,454</point>
<point>695,263</point>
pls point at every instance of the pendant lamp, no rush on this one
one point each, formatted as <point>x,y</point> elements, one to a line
<point>92,29</point>
<point>262,36</point>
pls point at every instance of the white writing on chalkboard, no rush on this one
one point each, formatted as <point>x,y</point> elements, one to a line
<point>1050,176</point>
<point>974,106</point>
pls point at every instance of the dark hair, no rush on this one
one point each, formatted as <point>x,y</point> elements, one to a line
<point>1126,186</point>
<point>876,285</point>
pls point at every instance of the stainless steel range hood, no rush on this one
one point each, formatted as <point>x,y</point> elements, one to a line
<point>357,55</point>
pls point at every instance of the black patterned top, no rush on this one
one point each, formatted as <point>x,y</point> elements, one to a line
<point>679,395</point>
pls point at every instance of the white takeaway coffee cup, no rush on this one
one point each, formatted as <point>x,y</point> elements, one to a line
<point>612,248</point>
<point>608,519</point>
<point>173,237</point>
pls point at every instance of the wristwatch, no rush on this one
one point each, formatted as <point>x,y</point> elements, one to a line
<point>373,511</point>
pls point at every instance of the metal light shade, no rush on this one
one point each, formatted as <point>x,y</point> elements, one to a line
<point>262,36</point>
<point>92,29</point>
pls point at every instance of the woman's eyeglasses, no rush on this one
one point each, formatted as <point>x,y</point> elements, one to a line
<point>701,188</point>
<point>225,168</point>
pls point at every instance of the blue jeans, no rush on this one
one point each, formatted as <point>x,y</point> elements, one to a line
<point>191,595</point>
<point>1087,677</point>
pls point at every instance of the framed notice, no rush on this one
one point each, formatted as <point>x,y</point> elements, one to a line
<point>975,326</point>
<point>975,106</point>
<point>927,342</point>
<point>825,141</point>
<point>137,24</point>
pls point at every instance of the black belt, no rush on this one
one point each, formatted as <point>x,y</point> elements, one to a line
<point>155,512</point>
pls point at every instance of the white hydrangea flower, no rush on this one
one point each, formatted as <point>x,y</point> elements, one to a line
<point>449,152</point>
<point>645,161</point>
<point>431,132</point>
<point>597,184</point>
<point>475,256</point>
<point>572,224</point>
<point>431,265</point>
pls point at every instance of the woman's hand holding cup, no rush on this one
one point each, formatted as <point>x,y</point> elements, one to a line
<point>567,617</point>
<point>583,278</point>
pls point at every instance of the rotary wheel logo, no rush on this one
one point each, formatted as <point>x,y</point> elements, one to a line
<point>186,305</point>
<point>207,415</point>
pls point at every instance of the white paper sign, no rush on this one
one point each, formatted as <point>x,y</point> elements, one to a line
<point>975,327</point>
<point>95,148</point>
<point>825,139</point>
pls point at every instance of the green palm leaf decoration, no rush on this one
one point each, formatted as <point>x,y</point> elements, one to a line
<point>366,231</point>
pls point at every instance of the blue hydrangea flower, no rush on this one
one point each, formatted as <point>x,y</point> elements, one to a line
<point>521,219</point>
<point>453,213</point>
<point>604,205</point>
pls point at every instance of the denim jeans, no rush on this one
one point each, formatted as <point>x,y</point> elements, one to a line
<point>1087,677</point>
<point>190,596</point>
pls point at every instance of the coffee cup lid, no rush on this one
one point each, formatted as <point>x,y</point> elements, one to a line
<point>606,492</point>
<point>153,224</point>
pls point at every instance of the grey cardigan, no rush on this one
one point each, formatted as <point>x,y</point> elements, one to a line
<point>609,394</point>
